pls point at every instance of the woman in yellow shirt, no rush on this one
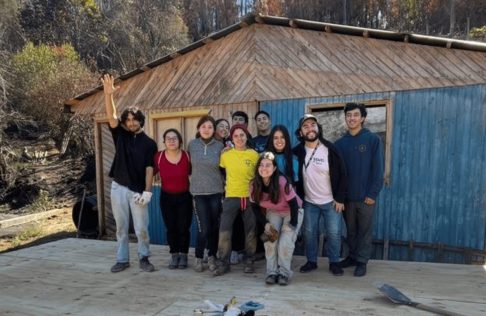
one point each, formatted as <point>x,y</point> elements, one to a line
<point>238,163</point>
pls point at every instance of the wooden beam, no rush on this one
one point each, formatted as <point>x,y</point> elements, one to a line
<point>100,196</point>
<point>208,40</point>
<point>145,68</point>
<point>161,115</point>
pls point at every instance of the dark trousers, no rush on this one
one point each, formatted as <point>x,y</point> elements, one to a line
<point>359,225</point>
<point>238,236</point>
<point>231,207</point>
<point>177,214</point>
<point>208,213</point>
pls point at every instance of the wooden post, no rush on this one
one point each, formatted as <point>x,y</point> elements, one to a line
<point>386,245</point>
<point>410,250</point>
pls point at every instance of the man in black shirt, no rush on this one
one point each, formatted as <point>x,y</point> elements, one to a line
<point>132,173</point>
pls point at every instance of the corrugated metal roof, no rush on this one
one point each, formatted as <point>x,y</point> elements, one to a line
<point>277,58</point>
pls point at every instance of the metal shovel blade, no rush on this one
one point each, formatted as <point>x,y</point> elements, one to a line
<point>398,297</point>
<point>393,294</point>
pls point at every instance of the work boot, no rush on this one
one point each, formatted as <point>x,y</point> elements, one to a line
<point>335,269</point>
<point>222,268</point>
<point>348,262</point>
<point>308,267</point>
<point>212,263</point>
<point>119,266</point>
<point>271,279</point>
<point>360,269</point>
<point>145,265</point>
<point>174,261</point>
<point>283,280</point>
<point>183,261</point>
<point>198,266</point>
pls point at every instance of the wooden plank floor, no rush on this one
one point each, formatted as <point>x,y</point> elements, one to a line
<point>72,277</point>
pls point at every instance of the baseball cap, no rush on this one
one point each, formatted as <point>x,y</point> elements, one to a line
<point>306,117</point>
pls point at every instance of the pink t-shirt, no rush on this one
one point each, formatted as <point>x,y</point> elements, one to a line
<point>282,206</point>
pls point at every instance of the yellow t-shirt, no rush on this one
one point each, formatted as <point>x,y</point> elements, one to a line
<point>240,169</point>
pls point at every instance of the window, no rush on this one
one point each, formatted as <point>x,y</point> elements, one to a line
<point>378,120</point>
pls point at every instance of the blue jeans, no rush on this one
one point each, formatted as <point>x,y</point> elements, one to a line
<point>208,213</point>
<point>313,214</point>
<point>122,205</point>
<point>279,253</point>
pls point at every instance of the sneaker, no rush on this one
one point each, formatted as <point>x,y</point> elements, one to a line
<point>335,269</point>
<point>120,266</point>
<point>234,257</point>
<point>308,267</point>
<point>145,265</point>
<point>183,261</point>
<point>174,261</point>
<point>283,280</point>
<point>271,279</point>
<point>360,269</point>
<point>348,262</point>
<point>212,263</point>
<point>221,269</point>
<point>249,268</point>
<point>198,266</point>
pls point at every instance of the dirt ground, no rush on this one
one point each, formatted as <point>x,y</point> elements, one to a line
<point>38,232</point>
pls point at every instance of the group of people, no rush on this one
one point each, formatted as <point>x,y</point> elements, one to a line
<point>225,173</point>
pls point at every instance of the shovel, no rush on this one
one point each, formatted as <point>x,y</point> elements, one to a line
<point>398,297</point>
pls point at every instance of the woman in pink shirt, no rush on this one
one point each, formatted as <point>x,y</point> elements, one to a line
<point>174,167</point>
<point>273,192</point>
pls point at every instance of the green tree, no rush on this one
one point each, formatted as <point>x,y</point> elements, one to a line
<point>45,76</point>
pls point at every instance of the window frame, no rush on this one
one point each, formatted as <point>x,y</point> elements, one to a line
<point>388,104</point>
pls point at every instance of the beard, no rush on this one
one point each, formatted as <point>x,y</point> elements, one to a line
<point>310,138</point>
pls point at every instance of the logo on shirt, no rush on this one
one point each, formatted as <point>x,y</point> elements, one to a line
<point>362,148</point>
<point>248,163</point>
<point>319,161</point>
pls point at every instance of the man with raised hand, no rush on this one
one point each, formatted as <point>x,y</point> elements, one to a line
<point>132,173</point>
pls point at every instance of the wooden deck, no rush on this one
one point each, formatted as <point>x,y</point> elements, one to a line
<point>72,277</point>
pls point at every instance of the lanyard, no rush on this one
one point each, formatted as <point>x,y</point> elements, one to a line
<point>306,164</point>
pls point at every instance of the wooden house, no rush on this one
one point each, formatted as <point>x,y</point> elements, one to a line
<point>427,95</point>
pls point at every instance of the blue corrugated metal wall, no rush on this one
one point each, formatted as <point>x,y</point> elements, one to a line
<point>157,229</point>
<point>438,170</point>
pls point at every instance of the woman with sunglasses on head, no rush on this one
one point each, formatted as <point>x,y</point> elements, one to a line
<point>207,188</point>
<point>174,167</point>
<point>279,144</point>
<point>272,191</point>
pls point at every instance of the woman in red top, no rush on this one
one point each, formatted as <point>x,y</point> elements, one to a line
<point>174,166</point>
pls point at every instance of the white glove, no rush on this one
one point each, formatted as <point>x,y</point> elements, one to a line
<point>136,197</point>
<point>145,198</point>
